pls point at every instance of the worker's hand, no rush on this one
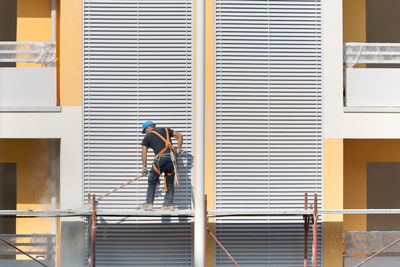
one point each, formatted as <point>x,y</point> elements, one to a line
<point>179,151</point>
<point>145,171</point>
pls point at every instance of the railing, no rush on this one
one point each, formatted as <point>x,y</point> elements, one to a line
<point>43,53</point>
<point>377,53</point>
<point>25,88</point>
<point>39,246</point>
<point>369,246</point>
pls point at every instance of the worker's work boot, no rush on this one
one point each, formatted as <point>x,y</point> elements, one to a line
<point>168,207</point>
<point>147,207</point>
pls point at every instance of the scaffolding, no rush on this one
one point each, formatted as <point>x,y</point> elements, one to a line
<point>310,217</point>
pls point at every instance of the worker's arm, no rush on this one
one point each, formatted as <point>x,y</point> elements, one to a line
<point>178,136</point>
<point>144,159</point>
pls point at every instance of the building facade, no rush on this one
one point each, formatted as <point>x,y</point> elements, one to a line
<point>284,117</point>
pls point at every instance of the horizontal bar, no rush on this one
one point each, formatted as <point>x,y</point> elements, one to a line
<point>353,44</point>
<point>28,235</point>
<point>259,212</point>
<point>143,213</point>
<point>45,213</point>
<point>27,43</point>
<point>21,109</point>
<point>360,211</point>
<point>189,213</point>
<point>23,60</point>
<point>388,109</point>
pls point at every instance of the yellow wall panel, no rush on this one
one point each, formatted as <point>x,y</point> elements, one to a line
<point>32,157</point>
<point>209,122</point>
<point>354,21</point>
<point>357,152</point>
<point>33,23</point>
<point>70,55</point>
<point>333,199</point>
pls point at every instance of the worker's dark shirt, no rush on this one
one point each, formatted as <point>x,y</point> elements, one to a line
<point>155,142</point>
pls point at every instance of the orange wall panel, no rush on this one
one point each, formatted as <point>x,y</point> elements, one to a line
<point>70,55</point>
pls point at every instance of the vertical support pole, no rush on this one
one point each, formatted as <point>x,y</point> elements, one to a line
<point>306,225</point>
<point>54,174</point>
<point>315,232</point>
<point>53,20</point>
<point>89,241</point>
<point>199,226</point>
<point>205,230</point>
<point>94,231</point>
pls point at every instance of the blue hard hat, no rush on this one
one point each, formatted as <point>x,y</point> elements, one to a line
<point>146,124</point>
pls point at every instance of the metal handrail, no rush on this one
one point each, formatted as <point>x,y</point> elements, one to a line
<point>42,52</point>
<point>376,53</point>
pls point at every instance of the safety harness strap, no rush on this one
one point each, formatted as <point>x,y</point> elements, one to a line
<point>167,145</point>
<point>166,141</point>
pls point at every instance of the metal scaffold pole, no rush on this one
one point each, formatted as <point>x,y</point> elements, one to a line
<point>306,227</point>
<point>94,231</point>
<point>199,225</point>
<point>315,231</point>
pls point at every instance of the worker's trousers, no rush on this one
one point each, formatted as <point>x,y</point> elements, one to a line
<point>164,165</point>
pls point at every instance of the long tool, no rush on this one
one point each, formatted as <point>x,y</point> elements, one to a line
<point>121,186</point>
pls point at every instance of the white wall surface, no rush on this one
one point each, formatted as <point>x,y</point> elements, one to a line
<point>371,87</point>
<point>65,125</point>
<point>337,123</point>
<point>28,87</point>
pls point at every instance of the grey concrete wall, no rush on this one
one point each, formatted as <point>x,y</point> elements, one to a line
<point>382,25</point>
<point>8,195</point>
<point>8,24</point>
<point>72,243</point>
<point>376,262</point>
<point>383,21</point>
<point>383,183</point>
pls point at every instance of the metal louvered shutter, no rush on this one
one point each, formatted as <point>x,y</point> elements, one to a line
<point>137,67</point>
<point>268,125</point>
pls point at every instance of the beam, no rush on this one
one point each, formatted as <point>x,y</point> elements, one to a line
<point>199,225</point>
<point>53,20</point>
<point>188,213</point>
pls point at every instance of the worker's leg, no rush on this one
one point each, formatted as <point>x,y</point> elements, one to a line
<point>151,186</point>
<point>169,182</point>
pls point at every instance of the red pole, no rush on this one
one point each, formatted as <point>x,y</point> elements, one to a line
<point>94,231</point>
<point>306,224</point>
<point>315,228</point>
<point>89,254</point>
<point>379,252</point>
<point>222,247</point>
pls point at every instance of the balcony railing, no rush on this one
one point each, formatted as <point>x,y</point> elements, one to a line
<point>360,245</point>
<point>41,247</point>
<point>31,87</point>
<point>43,53</point>
<point>372,87</point>
<point>378,53</point>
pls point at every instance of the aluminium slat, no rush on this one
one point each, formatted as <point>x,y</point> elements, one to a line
<point>256,40</point>
<point>135,52</point>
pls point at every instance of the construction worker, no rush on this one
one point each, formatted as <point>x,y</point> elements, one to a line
<point>159,139</point>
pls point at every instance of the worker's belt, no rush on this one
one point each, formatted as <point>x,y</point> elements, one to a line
<point>164,155</point>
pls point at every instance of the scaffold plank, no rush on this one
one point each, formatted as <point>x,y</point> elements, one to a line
<point>188,213</point>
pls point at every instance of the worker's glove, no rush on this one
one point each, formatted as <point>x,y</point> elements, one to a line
<point>179,151</point>
<point>145,171</point>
